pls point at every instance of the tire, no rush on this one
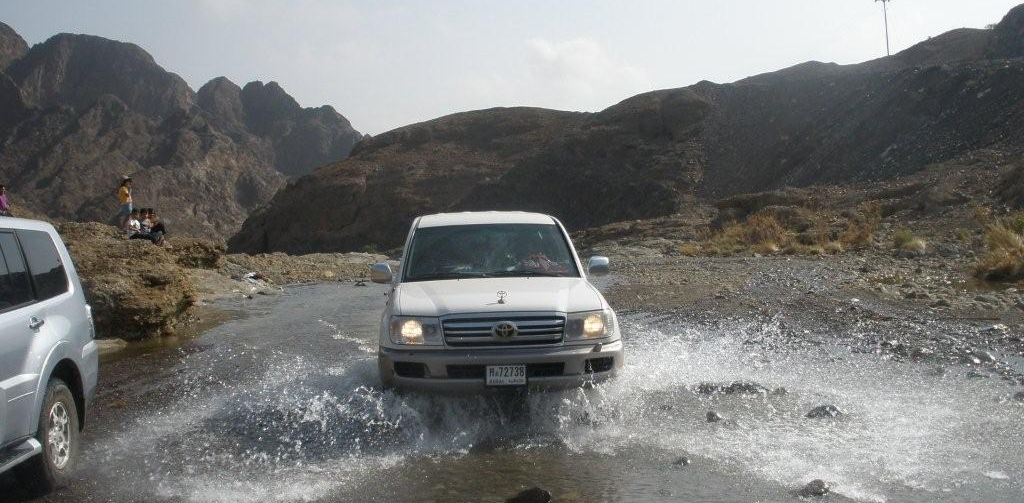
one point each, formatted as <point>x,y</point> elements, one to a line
<point>52,468</point>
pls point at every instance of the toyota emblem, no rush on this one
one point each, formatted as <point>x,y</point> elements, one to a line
<point>504,330</point>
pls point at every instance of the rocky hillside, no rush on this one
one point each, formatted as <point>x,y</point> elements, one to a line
<point>78,112</point>
<point>652,154</point>
<point>140,291</point>
<point>12,46</point>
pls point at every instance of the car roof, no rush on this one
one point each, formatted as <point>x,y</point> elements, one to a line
<point>26,224</point>
<point>485,217</point>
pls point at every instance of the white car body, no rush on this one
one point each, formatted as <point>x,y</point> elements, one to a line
<point>474,305</point>
<point>46,338</point>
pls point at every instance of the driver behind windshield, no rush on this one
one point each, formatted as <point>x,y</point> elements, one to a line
<point>452,252</point>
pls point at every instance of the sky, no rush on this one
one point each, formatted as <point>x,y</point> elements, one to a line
<point>388,63</point>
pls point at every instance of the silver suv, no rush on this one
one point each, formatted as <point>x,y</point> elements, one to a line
<point>48,356</point>
<point>494,299</point>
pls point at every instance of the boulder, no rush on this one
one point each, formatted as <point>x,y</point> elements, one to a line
<point>197,253</point>
<point>732,388</point>
<point>532,495</point>
<point>136,289</point>
<point>713,417</point>
<point>814,488</point>
<point>828,411</point>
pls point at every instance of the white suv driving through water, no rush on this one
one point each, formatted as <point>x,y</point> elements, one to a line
<point>48,355</point>
<point>494,299</point>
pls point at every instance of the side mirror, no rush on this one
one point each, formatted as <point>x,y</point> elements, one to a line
<point>597,266</point>
<point>380,273</point>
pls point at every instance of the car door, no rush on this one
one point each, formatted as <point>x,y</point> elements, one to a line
<point>18,378</point>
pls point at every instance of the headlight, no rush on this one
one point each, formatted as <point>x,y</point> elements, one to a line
<point>590,325</point>
<point>415,331</point>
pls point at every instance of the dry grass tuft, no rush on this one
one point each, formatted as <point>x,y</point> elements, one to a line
<point>1004,254</point>
<point>833,247</point>
<point>903,239</point>
<point>689,249</point>
<point>759,233</point>
<point>860,231</point>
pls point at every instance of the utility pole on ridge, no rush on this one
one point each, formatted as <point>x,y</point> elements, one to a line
<point>885,15</point>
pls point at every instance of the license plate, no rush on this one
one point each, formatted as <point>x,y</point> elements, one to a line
<point>506,375</point>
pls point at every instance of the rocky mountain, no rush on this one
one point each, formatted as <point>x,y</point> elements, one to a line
<point>78,112</point>
<point>652,154</point>
<point>12,46</point>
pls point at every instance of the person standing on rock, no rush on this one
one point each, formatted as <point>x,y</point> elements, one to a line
<point>124,196</point>
<point>5,206</point>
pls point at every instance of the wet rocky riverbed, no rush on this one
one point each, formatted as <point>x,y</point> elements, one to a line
<point>281,403</point>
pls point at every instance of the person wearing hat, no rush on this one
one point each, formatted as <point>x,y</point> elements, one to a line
<point>124,197</point>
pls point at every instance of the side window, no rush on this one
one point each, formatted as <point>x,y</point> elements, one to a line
<point>15,288</point>
<point>44,264</point>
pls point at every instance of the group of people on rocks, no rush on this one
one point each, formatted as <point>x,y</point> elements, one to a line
<point>138,223</point>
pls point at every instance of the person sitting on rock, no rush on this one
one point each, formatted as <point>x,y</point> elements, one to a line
<point>144,221</point>
<point>5,206</point>
<point>133,226</point>
<point>156,225</point>
<point>136,230</point>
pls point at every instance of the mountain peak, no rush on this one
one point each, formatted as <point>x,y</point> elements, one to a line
<point>267,103</point>
<point>1009,33</point>
<point>12,46</point>
<point>75,70</point>
<point>222,98</point>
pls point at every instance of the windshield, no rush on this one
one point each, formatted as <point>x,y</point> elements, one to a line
<point>484,251</point>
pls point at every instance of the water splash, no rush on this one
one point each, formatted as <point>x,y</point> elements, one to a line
<point>306,428</point>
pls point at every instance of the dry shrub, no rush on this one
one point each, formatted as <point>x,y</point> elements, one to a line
<point>759,233</point>
<point>1004,254</point>
<point>1016,222</point>
<point>903,239</point>
<point>861,229</point>
<point>833,247</point>
<point>689,249</point>
<point>765,230</point>
<point>765,248</point>
<point>982,214</point>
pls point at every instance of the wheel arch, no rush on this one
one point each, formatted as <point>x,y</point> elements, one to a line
<point>67,370</point>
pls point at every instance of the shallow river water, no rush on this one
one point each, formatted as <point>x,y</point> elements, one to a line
<point>284,404</point>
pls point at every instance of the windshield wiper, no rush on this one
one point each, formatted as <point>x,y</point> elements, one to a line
<point>525,273</point>
<point>446,275</point>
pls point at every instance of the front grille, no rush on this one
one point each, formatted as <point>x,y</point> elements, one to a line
<point>476,330</point>
<point>479,371</point>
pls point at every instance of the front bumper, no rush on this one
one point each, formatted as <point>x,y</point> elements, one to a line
<point>574,372</point>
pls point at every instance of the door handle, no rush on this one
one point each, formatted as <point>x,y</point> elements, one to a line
<point>34,323</point>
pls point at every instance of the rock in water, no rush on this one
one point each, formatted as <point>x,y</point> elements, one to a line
<point>713,417</point>
<point>824,412</point>
<point>814,488</point>
<point>733,388</point>
<point>681,461</point>
<point>532,495</point>
<point>1019,396</point>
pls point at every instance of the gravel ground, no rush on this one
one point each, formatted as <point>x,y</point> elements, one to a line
<point>922,308</point>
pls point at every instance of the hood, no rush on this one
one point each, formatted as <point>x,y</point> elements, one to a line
<point>480,295</point>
